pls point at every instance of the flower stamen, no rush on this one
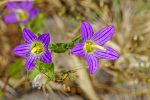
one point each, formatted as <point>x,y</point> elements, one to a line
<point>90,47</point>
<point>21,14</point>
<point>99,47</point>
<point>37,48</point>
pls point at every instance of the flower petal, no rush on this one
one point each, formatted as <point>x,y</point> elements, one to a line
<point>12,6</point>
<point>28,35</point>
<point>46,57</point>
<point>11,18</point>
<point>45,39</point>
<point>78,50</point>
<point>22,50</point>
<point>27,5</point>
<point>30,62</point>
<point>109,54</point>
<point>103,35</point>
<point>92,63</point>
<point>33,12</point>
<point>87,31</point>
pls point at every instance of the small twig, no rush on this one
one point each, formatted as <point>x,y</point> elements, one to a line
<point>79,68</point>
<point>19,82</point>
<point>8,88</point>
<point>50,90</point>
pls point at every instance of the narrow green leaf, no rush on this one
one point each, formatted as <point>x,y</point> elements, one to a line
<point>51,72</point>
<point>1,94</point>
<point>36,24</point>
<point>33,73</point>
<point>15,68</point>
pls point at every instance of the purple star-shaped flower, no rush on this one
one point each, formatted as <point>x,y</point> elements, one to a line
<point>34,48</point>
<point>92,46</point>
<point>20,12</point>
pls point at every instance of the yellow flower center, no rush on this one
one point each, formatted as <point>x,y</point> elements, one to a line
<point>21,14</point>
<point>89,47</point>
<point>37,48</point>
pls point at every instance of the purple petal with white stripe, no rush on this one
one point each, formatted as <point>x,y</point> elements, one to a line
<point>33,12</point>
<point>45,39</point>
<point>22,50</point>
<point>87,31</point>
<point>109,54</point>
<point>46,57</point>
<point>28,36</point>
<point>78,50</point>
<point>30,62</point>
<point>92,63</point>
<point>11,18</point>
<point>103,35</point>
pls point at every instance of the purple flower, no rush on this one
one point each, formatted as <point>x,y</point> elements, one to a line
<point>34,48</point>
<point>20,12</point>
<point>92,46</point>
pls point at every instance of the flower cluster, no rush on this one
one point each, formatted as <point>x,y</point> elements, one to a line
<point>36,47</point>
<point>20,12</point>
<point>91,47</point>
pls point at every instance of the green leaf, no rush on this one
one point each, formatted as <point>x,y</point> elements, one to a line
<point>33,73</point>
<point>47,69</point>
<point>1,94</point>
<point>36,24</point>
<point>78,39</point>
<point>63,47</point>
<point>53,46</point>
<point>15,68</point>
<point>59,47</point>
<point>51,72</point>
<point>72,77</point>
